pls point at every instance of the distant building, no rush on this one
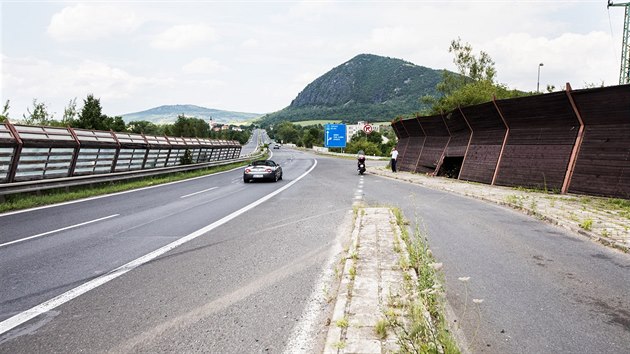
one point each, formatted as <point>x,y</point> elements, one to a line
<point>353,129</point>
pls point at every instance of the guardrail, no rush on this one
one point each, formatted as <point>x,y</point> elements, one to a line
<point>38,157</point>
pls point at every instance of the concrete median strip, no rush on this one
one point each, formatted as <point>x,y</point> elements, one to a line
<point>372,283</point>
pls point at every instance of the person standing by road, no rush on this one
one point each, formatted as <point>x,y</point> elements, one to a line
<point>394,158</point>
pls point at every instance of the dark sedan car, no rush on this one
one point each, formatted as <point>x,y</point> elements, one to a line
<point>262,170</point>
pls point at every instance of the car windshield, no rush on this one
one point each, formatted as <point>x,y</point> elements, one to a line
<point>262,163</point>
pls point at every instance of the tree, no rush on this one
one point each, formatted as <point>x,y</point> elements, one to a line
<point>39,115</point>
<point>117,124</point>
<point>474,85</point>
<point>70,113</point>
<point>479,68</point>
<point>287,133</point>
<point>313,135</point>
<point>190,127</point>
<point>5,112</point>
<point>144,126</point>
<point>91,116</point>
<point>186,159</point>
<point>368,147</point>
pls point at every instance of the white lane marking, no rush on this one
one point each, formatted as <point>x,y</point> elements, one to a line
<point>114,194</point>
<point>203,191</point>
<point>46,306</point>
<point>58,230</point>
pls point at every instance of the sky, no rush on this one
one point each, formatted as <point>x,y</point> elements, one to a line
<point>257,56</point>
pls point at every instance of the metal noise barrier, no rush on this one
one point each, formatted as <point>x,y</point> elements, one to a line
<point>40,157</point>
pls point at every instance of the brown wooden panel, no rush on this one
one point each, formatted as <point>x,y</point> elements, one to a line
<point>603,163</point>
<point>551,110</point>
<point>432,151</point>
<point>540,166</point>
<point>412,126</point>
<point>480,163</point>
<point>460,134</point>
<point>400,130</point>
<point>433,126</point>
<point>604,106</point>
<point>402,149</point>
<point>483,117</point>
<point>414,147</point>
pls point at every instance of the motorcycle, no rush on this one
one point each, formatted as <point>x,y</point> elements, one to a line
<point>361,163</point>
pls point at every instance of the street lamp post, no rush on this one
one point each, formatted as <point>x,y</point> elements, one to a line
<point>538,80</point>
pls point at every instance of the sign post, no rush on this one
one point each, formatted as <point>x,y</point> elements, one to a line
<point>335,136</point>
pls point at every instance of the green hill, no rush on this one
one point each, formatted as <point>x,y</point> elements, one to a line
<point>367,87</point>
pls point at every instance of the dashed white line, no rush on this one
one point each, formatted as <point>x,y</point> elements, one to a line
<point>58,230</point>
<point>203,191</point>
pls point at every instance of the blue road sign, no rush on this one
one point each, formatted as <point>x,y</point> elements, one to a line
<point>335,135</point>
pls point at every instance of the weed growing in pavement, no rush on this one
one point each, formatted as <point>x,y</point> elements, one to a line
<point>380,329</point>
<point>515,200</point>
<point>587,224</point>
<point>340,345</point>
<point>533,206</point>
<point>422,327</point>
<point>342,323</point>
<point>353,272</point>
<point>620,206</point>
<point>354,255</point>
<point>544,189</point>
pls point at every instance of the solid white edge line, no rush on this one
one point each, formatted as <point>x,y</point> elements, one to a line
<point>191,194</point>
<point>58,230</point>
<point>59,300</point>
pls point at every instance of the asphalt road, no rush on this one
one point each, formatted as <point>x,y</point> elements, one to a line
<point>215,265</point>
<point>544,289</point>
<point>250,284</point>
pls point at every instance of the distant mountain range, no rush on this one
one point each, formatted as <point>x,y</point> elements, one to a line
<point>367,87</point>
<point>169,114</point>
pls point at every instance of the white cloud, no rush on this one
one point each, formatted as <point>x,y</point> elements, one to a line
<point>570,57</point>
<point>184,36</point>
<point>32,78</point>
<point>251,43</point>
<point>203,66</point>
<point>94,21</point>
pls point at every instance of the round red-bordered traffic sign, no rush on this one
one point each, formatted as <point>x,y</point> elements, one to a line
<point>367,129</point>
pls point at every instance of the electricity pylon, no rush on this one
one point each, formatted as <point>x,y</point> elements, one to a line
<point>624,74</point>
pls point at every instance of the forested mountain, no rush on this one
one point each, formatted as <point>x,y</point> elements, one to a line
<point>367,87</point>
<point>169,114</point>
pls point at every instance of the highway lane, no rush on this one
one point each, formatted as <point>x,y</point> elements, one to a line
<point>544,290</point>
<point>238,288</point>
<point>258,138</point>
<point>140,221</point>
